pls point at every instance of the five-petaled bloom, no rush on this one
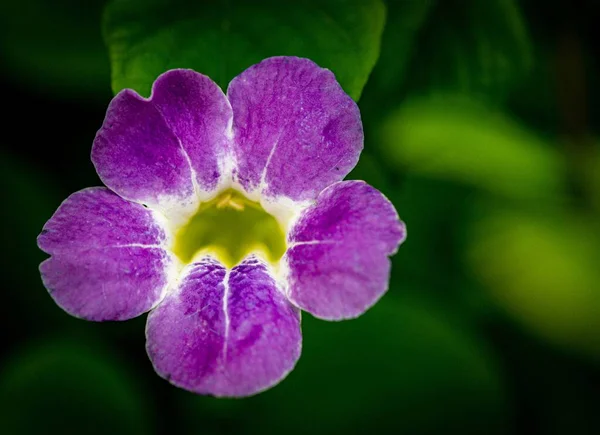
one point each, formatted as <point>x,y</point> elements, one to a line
<point>223,216</point>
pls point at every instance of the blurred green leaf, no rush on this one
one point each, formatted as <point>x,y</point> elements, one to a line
<point>471,46</point>
<point>221,39</point>
<point>404,21</point>
<point>401,367</point>
<point>455,138</point>
<point>542,270</point>
<point>69,388</point>
<point>57,46</point>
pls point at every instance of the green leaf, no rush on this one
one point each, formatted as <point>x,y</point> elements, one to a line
<point>69,387</point>
<point>541,269</point>
<point>471,46</point>
<point>455,138</point>
<point>56,46</point>
<point>147,37</point>
<point>404,22</point>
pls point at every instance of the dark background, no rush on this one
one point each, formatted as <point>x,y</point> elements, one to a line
<point>492,321</point>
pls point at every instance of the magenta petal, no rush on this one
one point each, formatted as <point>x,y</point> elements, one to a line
<point>224,333</point>
<point>295,130</point>
<point>199,114</point>
<point>107,258</point>
<point>158,151</point>
<point>338,256</point>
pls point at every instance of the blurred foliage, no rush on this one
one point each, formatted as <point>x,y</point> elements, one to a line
<point>70,387</point>
<point>405,21</point>
<point>55,46</point>
<point>454,137</point>
<point>221,39</point>
<point>464,46</point>
<point>481,124</point>
<point>543,270</point>
<point>482,48</point>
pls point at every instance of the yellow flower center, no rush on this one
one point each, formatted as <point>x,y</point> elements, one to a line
<point>230,227</point>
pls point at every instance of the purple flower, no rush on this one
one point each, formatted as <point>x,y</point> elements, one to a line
<point>190,160</point>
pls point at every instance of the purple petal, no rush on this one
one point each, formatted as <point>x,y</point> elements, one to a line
<point>224,333</point>
<point>296,131</point>
<point>338,251</point>
<point>159,151</point>
<point>108,261</point>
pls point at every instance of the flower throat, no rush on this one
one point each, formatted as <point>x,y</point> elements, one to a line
<point>230,227</point>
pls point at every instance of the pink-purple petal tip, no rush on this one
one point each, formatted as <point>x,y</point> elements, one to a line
<point>158,151</point>
<point>296,130</point>
<point>224,333</point>
<point>107,257</point>
<point>338,256</point>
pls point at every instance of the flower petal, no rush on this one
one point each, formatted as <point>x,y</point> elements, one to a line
<point>225,333</point>
<point>166,150</point>
<point>295,130</point>
<point>338,251</point>
<point>107,258</point>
